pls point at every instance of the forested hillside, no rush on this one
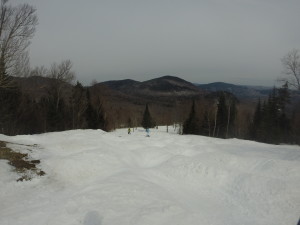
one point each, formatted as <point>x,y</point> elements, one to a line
<point>40,104</point>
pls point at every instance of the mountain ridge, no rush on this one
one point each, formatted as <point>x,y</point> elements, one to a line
<point>162,86</point>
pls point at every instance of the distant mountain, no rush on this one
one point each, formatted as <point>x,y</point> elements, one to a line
<point>240,91</point>
<point>160,89</point>
<point>166,86</point>
<point>121,85</point>
<point>169,98</point>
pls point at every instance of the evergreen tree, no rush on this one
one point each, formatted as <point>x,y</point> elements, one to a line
<point>91,114</point>
<point>257,120</point>
<point>79,105</point>
<point>283,97</point>
<point>191,125</point>
<point>129,123</point>
<point>55,114</point>
<point>100,115</point>
<point>270,123</point>
<point>147,121</point>
<point>95,115</point>
<point>206,125</point>
<point>231,115</point>
<point>272,132</point>
<point>257,115</point>
<point>10,99</point>
<point>222,116</point>
<point>29,119</point>
<point>284,121</point>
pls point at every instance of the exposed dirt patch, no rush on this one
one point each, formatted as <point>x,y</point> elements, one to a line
<point>25,167</point>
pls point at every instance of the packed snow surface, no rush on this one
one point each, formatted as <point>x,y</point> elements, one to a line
<point>94,177</point>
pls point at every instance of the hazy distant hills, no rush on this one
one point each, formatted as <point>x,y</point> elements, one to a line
<point>240,91</point>
<point>170,86</point>
<point>163,89</point>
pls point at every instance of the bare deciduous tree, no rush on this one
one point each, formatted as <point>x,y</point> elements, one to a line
<point>62,72</point>
<point>94,82</point>
<point>61,75</point>
<point>17,27</point>
<point>291,64</point>
<point>39,71</point>
<point>22,66</point>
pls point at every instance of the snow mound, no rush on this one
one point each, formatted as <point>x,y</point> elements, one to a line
<point>94,178</point>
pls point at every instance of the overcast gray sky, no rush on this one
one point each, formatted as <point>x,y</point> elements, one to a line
<point>202,41</point>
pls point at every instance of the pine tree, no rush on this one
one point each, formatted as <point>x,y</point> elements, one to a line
<point>283,120</point>
<point>231,114</point>
<point>90,113</point>
<point>256,123</point>
<point>191,125</point>
<point>283,97</point>
<point>274,112</point>
<point>206,125</point>
<point>10,99</point>
<point>79,106</point>
<point>270,122</point>
<point>100,115</point>
<point>222,116</point>
<point>129,123</point>
<point>147,121</point>
<point>54,116</point>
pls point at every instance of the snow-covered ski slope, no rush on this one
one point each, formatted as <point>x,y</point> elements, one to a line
<point>114,178</point>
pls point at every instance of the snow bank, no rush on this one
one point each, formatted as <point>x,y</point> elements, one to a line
<point>114,178</point>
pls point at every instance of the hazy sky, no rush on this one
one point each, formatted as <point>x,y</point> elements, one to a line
<point>236,41</point>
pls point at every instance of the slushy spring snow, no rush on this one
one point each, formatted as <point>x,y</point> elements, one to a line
<point>93,177</point>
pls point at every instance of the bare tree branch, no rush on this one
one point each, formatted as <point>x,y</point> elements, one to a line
<point>291,64</point>
<point>61,75</point>
<point>62,72</point>
<point>17,27</point>
<point>39,71</point>
<point>22,66</point>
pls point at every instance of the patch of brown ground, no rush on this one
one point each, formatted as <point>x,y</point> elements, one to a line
<point>20,162</point>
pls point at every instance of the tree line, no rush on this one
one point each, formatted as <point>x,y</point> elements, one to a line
<point>273,121</point>
<point>21,114</point>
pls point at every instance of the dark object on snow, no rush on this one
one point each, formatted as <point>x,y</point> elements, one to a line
<point>147,122</point>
